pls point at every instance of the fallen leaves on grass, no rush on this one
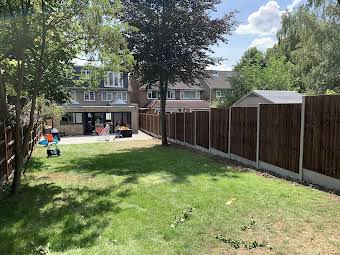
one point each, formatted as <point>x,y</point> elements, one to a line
<point>251,225</point>
<point>230,201</point>
<point>240,243</point>
<point>182,218</point>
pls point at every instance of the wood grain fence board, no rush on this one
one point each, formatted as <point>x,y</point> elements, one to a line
<point>202,129</point>
<point>180,126</point>
<point>280,135</point>
<point>243,135</point>
<point>189,128</point>
<point>172,125</point>
<point>322,135</point>
<point>219,129</point>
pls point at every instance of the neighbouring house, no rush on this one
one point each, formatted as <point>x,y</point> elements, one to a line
<point>109,104</point>
<point>256,97</point>
<point>183,97</point>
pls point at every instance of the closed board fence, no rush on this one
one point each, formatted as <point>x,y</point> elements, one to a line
<point>7,152</point>
<point>301,141</point>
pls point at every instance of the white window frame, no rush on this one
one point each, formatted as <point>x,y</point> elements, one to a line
<point>86,73</point>
<point>171,92</point>
<point>218,93</point>
<point>89,96</point>
<point>197,94</point>
<point>150,92</point>
<point>124,96</point>
<point>105,99</point>
<point>111,83</point>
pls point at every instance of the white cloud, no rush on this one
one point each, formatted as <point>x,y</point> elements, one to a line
<point>294,4</point>
<point>265,21</point>
<point>219,67</point>
<point>262,43</point>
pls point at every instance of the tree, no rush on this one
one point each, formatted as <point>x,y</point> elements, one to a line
<point>256,70</point>
<point>310,37</point>
<point>38,41</point>
<point>171,41</point>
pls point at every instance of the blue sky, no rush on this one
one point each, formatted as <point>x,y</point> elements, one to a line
<point>259,20</point>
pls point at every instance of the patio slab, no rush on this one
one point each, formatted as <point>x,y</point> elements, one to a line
<point>94,139</point>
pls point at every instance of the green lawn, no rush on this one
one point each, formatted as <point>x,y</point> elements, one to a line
<point>122,198</point>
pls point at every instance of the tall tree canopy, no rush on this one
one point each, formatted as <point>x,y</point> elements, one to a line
<point>38,41</point>
<point>171,41</point>
<point>310,38</point>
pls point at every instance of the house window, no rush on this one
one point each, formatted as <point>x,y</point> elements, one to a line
<point>124,94</point>
<point>152,94</point>
<point>113,79</point>
<point>89,96</point>
<point>72,118</point>
<point>190,94</point>
<point>218,93</point>
<point>171,94</point>
<point>86,73</point>
<point>107,96</point>
<point>108,116</point>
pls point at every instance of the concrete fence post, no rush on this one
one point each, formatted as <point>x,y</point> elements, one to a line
<point>229,133</point>
<point>258,124</point>
<point>176,127</point>
<point>195,131</point>
<point>184,127</point>
<point>302,136</point>
<point>209,129</point>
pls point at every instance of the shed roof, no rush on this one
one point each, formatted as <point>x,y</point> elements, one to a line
<point>280,97</point>
<point>275,96</point>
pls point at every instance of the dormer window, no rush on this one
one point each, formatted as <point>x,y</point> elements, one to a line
<point>113,79</point>
<point>218,93</point>
<point>153,94</point>
<point>86,73</point>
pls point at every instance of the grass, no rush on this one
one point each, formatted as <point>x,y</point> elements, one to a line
<point>122,198</point>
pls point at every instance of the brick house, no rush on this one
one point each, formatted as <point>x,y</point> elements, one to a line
<point>109,104</point>
<point>183,97</point>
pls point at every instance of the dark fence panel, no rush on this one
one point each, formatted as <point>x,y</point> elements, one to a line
<point>280,135</point>
<point>219,129</point>
<point>243,133</point>
<point>180,126</point>
<point>189,128</point>
<point>173,125</point>
<point>202,129</point>
<point>7,153</point>
<point>322,135</point>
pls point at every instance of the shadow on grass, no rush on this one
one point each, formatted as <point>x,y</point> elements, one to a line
<point>135,163</point>
<point>64,217</point>
<point>70,217</point>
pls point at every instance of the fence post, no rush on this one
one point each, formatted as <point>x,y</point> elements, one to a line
<point>229,133</point>
<point>176,127</point>
<point>209,129</point>
<point>184,128</point>
<point>195,113</point>
<point>302,136</point>
<point>258,136</point>
<point>6,152</point>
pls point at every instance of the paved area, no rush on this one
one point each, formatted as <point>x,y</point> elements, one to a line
<point>94,139</point>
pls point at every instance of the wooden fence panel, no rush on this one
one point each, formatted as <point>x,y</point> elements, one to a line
<point>219,134</point>
<point>7,152</point>
<point>202,129</point>
<point>180,126</point>
<point>243,133</point>
<point>322,135</point>
<point>280,135</point>
<point>189,128</point>
<point>172,126</point>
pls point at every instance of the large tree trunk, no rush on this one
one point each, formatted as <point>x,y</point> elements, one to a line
<point>163,92</point>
